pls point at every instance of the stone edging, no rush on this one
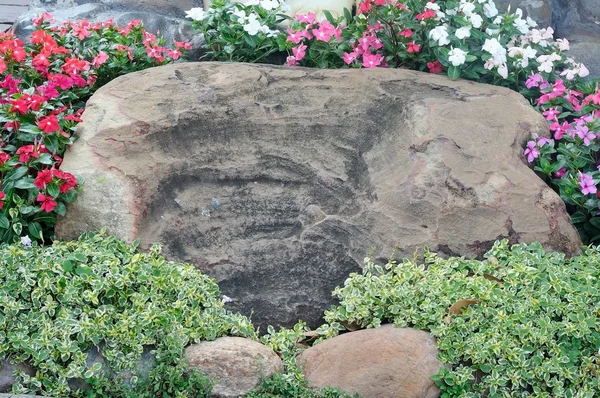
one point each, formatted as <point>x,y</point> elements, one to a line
<point>20,396</point>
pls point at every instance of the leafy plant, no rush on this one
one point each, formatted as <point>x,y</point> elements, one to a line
<point>532,327</point>
<point>60,303</point>
<point>43,88</point>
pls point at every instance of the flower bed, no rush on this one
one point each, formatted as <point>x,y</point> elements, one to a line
<point>43,88</point>
<point>462,38</point>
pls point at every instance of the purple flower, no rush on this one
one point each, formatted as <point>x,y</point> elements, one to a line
<point>532,151</point>
<point>586,183</point>
<point>534,81</point>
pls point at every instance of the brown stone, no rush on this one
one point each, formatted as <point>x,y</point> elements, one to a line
<point>314,170</point>
<point>378,363</point>
<point>236,365</point>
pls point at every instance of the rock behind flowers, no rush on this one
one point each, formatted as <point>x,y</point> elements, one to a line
<point>309,170</point>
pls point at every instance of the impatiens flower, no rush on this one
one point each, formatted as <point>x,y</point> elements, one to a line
<point>43,178</point>
<point>299,52</point>
<point>413,48</point>
<point>457,56</point>
<point>49,124</point>
<point>197,14</point>
<point>439,34</point>
<point>560,173</point>
<point>100,59</point>
<point>428,14</point>
<point>534,81</point>
<point>372,60</point>
<point>406,33</point>
<point>532,151</point>
<point>291,61</point>
<point>308,18</point>
<point>551,114</point>
<point>435,67</point>
<point>48,204</point>
<point>350,57</point>
<point>26,240</point>
<point>586,183</point>
<point>2,195</point>
<point>463,32</point>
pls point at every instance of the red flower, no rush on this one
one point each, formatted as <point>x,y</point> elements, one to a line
<point>49,124</point>
<point>4,157</point>
<point>435,67</point>
<point>426,15</point>
<point>2,195</point>
<point>47,203</point>
<point>43,178</point>
<point>19,105</point>
<point>413,48</point>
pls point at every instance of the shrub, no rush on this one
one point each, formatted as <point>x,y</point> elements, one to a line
<point>59,302</point>
<point>521,323</point>
<point>43,88</point>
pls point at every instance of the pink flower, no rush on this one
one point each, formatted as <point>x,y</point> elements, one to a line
<point>560,173</point>
<point>534,81</point>
<point>413,48</point>
<point>435,67</point>
<point>295,37</point>
<point>350,57</point>
<point>560,129</point>
<point>551,114</point>
<point>100,59</point>
<point>532,152</point>
<point>371,60</point>
<point>291,61</point>
<point>406,33</point>
<point>586,183</point>
<point>299,52</point>
<point>309,18</point>
<point>322,35</point>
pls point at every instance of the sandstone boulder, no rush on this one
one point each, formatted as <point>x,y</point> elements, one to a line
<point>236,365</point>
<point>379,363</point>
<point>311,170</point>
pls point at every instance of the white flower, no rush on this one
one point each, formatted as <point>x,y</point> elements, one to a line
<point>503,70</point>
<point>26,240</point>
<point>197,14</point>
<point>492,32</point>
<point>546,67</point>
<point>240,14</point>
<point>563,44</point>
<point>490,10</point>
<point>457,56</point>
<point>463,32</point>
<point>530,52</point>
<point>498,20</point>
<point>440,34</point>
<point>452,11</point>
<point>531,22</point>
<point>226,299</point>
<point>476,20</point>
<point>269,4</point>
<point>494,47</point>
<point>432,6</point>
<point>253,26</point>
<point>467,8</point>
<point>583,71</point>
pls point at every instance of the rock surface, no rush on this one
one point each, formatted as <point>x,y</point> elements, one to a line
<point>313,170</point>
<point>166,17</point>
<point>7,370</point>
<point>387,362</point>
<point>236,365</point>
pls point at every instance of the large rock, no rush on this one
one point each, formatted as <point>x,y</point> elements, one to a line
<point>164,17</point>
<point>540,11</point>
<point>235,365</point>
<point>314,170</point>
<point>387,362</point>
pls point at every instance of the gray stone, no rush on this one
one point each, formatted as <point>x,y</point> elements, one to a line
<point>7,370</point>
<point>539,10</point>
<point>387,362</point>
<point>235,365</point>
<point>314,170</point>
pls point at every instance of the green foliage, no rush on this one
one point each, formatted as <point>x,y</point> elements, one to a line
<point>282,386</point>
<point>59,302</point>
<point>535,331</point>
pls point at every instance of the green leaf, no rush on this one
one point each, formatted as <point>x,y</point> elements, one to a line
<point>454,72</point>
<point>67,265</point>
<point>24,183</point>
<point>35,230</point>
<point>4,224</point>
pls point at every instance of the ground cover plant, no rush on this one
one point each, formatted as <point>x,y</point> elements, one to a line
<point>521,323</point>
<point>44,84</point>
<point>59,302</point>
<point>461,38</point>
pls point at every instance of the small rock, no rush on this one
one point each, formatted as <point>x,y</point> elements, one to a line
<point>379,363</point>
<point>236,365</point>
<point>7,370</point>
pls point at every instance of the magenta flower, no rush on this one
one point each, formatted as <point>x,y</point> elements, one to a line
<point>534,81</point>
<point>586,183</point>
<point>299,52</point>
<point>551,114</point>
<point>560,172</point>
<point>309,18</point>
<point>291,61</point>
<point>532,151</point>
